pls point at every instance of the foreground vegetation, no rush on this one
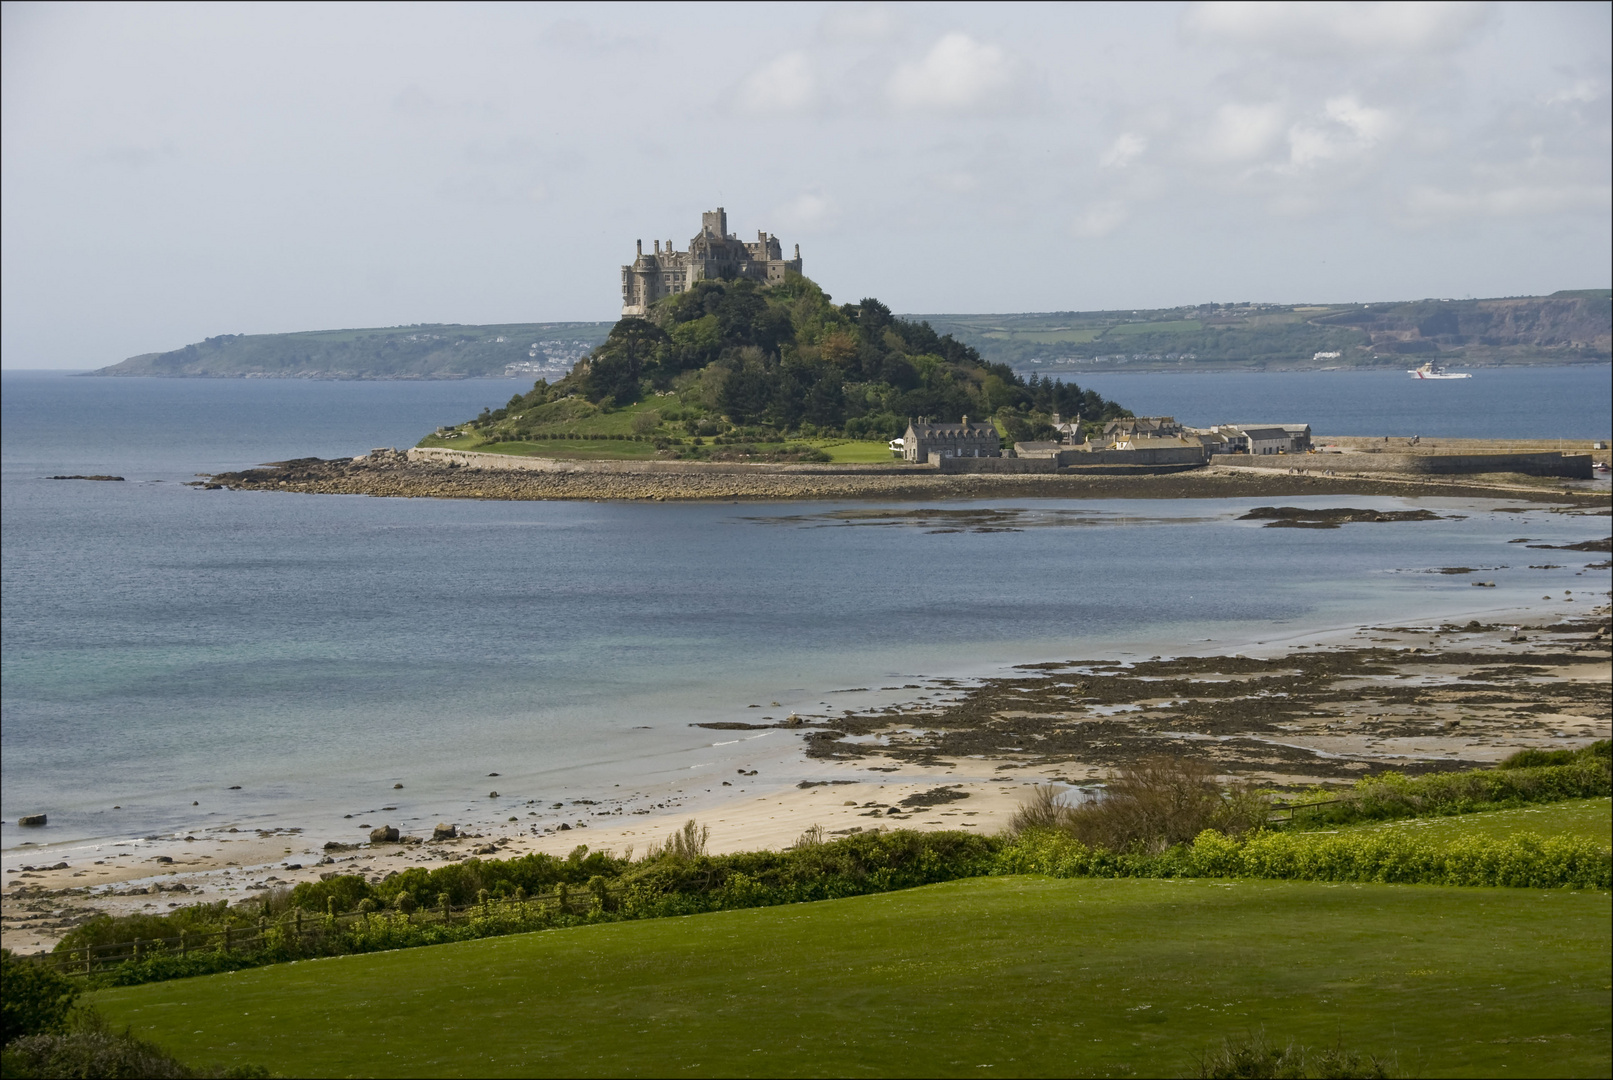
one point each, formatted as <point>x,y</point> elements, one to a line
<point>1018,975</point>
<point>1165,818</point>
<point>48,1033</point>
<point>732,370</point>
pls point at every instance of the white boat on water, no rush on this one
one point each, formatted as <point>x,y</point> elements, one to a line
<point>1430,371</point>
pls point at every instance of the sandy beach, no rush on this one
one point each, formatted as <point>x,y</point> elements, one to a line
<point>958,756</point>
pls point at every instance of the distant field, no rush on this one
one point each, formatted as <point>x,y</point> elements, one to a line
<point>1589,818</point>
<point>989,976</point>
<point>1177,326</point>
<point>1044,337</point>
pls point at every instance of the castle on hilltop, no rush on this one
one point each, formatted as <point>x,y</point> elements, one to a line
<point>714,253</point>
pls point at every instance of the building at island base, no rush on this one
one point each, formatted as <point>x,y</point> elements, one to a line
<point>713,254</point>
<point>926,441</point>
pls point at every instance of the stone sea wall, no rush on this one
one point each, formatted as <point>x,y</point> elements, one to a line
<point>1568,466</point>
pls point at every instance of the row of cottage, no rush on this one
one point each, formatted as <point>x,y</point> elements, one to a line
<point>1160,436</point>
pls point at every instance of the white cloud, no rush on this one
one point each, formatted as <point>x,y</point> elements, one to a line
<point>958,73</point>
<point>808,212</point>
<point>1583,92</point>
<point>1123,151</point>
<point>1100,219</point>
<point>1242,132</point>
<point>1346,129</point>
<point>1339,27</point>
<point>786,84</point>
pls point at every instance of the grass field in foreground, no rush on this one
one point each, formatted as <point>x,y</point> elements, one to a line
<point>1588,818</point>
<point>988,976</point>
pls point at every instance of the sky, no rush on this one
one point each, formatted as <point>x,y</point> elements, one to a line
<point>168,173</point>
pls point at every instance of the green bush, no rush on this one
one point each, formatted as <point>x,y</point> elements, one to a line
<point>1523,860</point>
<point>1584,774</point>
<point>91,1049</point>
<point>34,999</point>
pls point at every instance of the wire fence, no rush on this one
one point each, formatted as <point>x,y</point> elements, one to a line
<point>299,930</point>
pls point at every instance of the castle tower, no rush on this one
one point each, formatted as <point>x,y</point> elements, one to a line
<point>712,254</point>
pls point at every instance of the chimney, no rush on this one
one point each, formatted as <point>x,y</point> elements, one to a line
<point>965,419</point>
<point>658,247</point>
<point>641,249</point>
<point>798,251</point>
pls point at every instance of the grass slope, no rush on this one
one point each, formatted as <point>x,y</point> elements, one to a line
<point>1018,975</point>
<point>1588,818</point>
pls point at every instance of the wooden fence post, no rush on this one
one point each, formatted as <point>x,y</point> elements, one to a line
<point>299,928</point>
<point>184,944</point>
<point>88,961</point>
<point>136,954</point>
<point>226,938</point>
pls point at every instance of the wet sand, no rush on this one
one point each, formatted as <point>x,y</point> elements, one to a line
<point>1310,708</point>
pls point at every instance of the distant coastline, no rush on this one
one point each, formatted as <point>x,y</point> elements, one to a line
<point>1568,327</point>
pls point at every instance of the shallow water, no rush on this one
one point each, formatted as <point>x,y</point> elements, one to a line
<point>160,644</point>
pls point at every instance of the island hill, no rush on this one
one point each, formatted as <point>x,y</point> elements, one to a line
<point>735,369</point>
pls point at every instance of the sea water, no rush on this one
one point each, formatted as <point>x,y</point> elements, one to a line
<point>285,659</point>
<point>1496,403</point>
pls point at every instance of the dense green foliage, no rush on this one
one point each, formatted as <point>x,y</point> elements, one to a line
<point>33,1000</point>
<point>1018,976</point>
<point>737,361</point>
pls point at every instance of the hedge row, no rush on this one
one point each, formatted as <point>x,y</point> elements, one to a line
<point>1524,860</point>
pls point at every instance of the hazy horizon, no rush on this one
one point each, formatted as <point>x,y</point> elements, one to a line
<point>172,173</point>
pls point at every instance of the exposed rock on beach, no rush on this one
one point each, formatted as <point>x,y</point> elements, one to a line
<point>397,475</point>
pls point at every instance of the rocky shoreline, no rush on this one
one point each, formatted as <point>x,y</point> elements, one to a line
<point>392,474</point>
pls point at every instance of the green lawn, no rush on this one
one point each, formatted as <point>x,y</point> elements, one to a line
<point>1589,818</point>
<point>853,449</point>
<point>984,977</point>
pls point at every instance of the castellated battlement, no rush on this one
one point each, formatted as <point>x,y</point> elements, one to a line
<point>713,253</point>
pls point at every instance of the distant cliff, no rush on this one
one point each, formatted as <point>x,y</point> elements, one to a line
<point>425,351</point>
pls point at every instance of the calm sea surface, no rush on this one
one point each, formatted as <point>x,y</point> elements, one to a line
<point>1496,403</point>
<point>161,643</point>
